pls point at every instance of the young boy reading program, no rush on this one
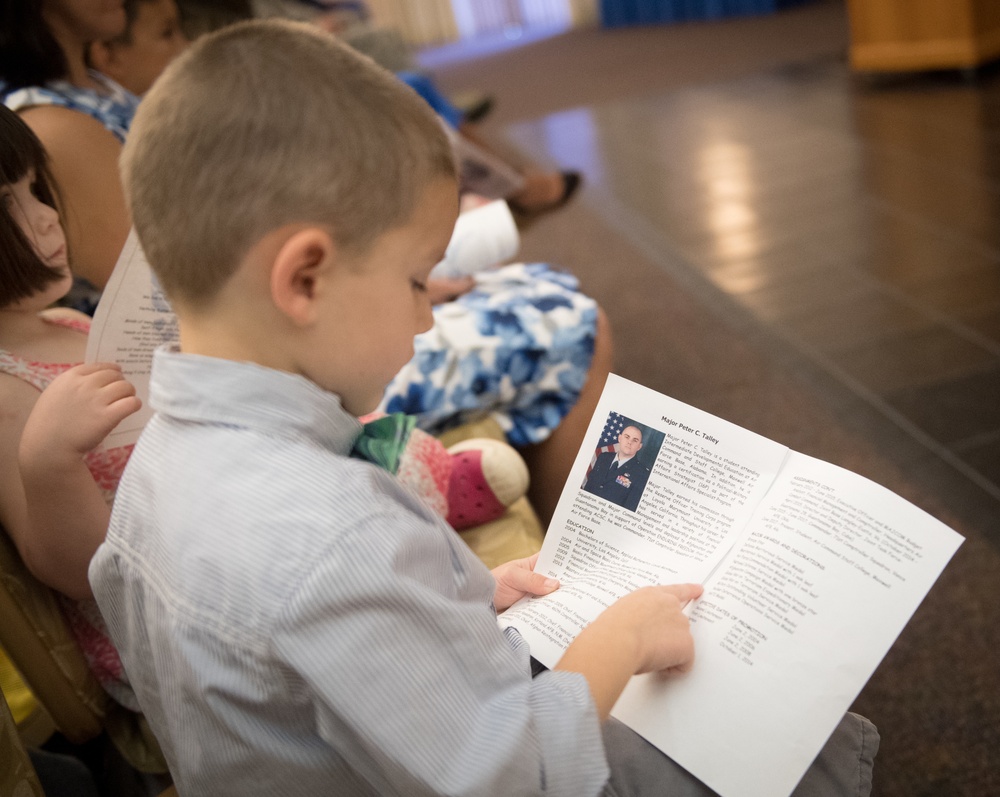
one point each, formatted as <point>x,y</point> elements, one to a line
<point>293,620</point>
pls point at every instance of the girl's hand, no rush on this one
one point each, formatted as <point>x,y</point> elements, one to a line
<point>516,579</point>
<point>77,411</point>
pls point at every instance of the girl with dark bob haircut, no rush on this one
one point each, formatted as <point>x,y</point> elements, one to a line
<point>23,272</point>
<point>56,479</point>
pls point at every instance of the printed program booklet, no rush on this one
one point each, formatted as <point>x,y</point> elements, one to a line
<point>810,574</point>
<point>132,319</point>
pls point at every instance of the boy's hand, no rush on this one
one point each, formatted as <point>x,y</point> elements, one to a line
<point>77,411</point>
<point>644,631</point>
<point>652,617</point>
<point>516,579</point>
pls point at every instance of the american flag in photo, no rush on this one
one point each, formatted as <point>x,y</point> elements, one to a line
<point>609,437</point>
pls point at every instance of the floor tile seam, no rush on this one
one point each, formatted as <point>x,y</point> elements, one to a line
<point>851,141</point>
<point>940,317</point>
<point>840,261</point>
<point>937,316</point>
<point>866,279</point>
<point>782,328</point>
<point>942,230</point>
<point>844,140</point>
<point>904,396</point>
<point>873,399</point>
<point>934,315</point>
<point>802,234</point>
<point>772,191</point>
<point>934,165</point>
<point>973,441</point>
<point>989,136</point>
<point>677,267</point>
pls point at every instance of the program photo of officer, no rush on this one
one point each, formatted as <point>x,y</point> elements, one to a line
<point>619,475</point>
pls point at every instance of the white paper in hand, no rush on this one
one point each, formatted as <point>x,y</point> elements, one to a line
<point>132,319</point>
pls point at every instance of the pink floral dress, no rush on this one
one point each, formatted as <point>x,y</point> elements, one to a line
<point>106,466</point>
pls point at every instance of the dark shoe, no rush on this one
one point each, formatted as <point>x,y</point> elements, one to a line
<point>571,183</point>
<point>479,110</point>
<point>473,105</point>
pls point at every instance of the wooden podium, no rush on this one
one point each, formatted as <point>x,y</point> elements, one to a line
<point>902,35</point>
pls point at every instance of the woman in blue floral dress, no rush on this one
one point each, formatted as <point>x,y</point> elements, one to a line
<point>523,345</point>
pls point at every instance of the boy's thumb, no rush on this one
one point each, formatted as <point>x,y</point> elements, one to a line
<point>517,577</point>
<point>538,584</point>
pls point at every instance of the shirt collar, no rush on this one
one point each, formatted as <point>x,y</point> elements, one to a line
<point>192,387</point>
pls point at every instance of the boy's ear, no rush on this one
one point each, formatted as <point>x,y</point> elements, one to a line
<point>304,258</point>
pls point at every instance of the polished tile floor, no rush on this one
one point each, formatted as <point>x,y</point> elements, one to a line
<point>856,219</point>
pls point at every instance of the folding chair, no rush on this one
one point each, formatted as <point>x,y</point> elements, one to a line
<point>39,643</point>
<point>17,776</point>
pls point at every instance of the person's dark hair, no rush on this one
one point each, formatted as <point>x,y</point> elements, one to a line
<point>22,272</point>
<point>29,53</point>
<point>131,15</point>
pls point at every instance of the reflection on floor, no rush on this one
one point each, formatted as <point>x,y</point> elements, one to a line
<point>856,219</point>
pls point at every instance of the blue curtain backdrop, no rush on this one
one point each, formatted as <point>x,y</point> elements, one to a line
<point>643,12</point>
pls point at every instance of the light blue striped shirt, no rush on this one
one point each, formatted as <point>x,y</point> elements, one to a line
<point>296,622</point>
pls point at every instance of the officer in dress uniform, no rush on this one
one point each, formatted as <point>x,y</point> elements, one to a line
<point>618,476</point>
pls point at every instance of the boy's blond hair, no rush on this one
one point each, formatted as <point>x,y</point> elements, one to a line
<point>264,124</point>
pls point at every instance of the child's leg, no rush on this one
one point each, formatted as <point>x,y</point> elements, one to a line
<point>842,769</point>
<point>549,462</point>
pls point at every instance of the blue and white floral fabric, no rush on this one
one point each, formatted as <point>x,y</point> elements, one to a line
<point>113,106</point>
<point>517,347</point>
